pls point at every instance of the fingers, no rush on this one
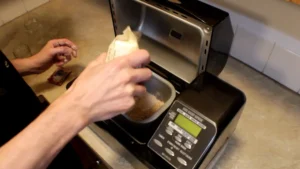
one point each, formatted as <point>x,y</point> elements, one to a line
<point>62,50</point>
<point>135,90</point>
<point>65,42</point>
<point>138,58</point>
<point>60,63</point>
<point>140,75</point>
<point>61,60</point>
<point>139,90</point>
<point>62,55</point>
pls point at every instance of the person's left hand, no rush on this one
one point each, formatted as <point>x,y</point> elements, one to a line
<point>57,51</point>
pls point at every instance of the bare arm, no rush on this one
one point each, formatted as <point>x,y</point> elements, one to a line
<point>37,145</point>
<point>24,66</point>
<point>102,91</point>
<point>58,51</point>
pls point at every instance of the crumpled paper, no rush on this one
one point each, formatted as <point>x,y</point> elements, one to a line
<point>123,45</point>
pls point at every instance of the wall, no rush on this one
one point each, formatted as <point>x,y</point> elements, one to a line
<point>11,9</point>
<point>267,37</point>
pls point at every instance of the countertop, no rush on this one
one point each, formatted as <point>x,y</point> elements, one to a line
<point>268,133</point>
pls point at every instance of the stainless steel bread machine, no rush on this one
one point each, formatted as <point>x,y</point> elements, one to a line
<point>189,43</point>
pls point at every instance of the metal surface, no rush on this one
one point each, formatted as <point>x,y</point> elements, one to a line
<point>169,60</point>
<point>162,90</point>
<point>212,156</point>
<point>181,39</point>
<point>109,149</point>
<point>217,156</point>
<point>201,147</point>
<point>183,45</point>
<point>117,155</point>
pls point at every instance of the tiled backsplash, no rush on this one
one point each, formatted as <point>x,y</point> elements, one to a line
<point>284,66</point>
<point>251,49</point>
<point>11,9</point>
<point>268,56</point>
<point>274,53</point>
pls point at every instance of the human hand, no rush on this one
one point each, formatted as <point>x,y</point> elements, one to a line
<point>57,51</point>
<point>104,90</point>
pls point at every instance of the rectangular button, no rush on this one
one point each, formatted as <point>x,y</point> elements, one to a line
<point>180,111</point>
<point>175,127</point>
<point>166,156</point>
<point>161,136</point>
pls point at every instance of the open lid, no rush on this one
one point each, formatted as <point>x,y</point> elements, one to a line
<point>173,39</point>
<point>170,60</point>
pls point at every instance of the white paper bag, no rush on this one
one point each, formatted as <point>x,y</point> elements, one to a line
<point>122,45</point>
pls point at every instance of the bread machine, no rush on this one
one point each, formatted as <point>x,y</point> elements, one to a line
<point>189,42</point>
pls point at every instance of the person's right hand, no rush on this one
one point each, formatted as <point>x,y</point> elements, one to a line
<point>104,90</point>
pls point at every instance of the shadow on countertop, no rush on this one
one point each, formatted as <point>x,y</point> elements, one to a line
<point>45,85</point>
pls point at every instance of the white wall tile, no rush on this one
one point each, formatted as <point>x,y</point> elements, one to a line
<point>10,9</point>
<point>284,67</point>
<point>251,49</point>
<point>234,26</point>
<point>31,4</point>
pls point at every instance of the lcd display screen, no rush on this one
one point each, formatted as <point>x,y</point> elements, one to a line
<point>188,125</point>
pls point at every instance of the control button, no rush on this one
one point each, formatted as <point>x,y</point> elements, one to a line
<point>188,145</point>
<point>176,142</point>
<point>172,115</point>
<point>161,136</point>
<point>182,161</point>
<point>193,140</point>
<point>170,128</point>
<point>178,138</point>
<point>175,127</point>
<point>172,145</point>
<point>157,142</point>
<point>169,132</point>
<point>180,111</point>
<point>170,152</point>
<point>183,147</point>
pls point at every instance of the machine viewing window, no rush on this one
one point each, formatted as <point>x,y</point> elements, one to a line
<point>176,34</point>
<point>188,125</point>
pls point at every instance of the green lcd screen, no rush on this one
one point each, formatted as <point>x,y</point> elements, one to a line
<point>188,125</point>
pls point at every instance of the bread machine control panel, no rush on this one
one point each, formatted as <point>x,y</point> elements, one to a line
<point>183,136</point>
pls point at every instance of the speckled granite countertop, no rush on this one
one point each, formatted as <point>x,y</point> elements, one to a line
<point>268,133</point>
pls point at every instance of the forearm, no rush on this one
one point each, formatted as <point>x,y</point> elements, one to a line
<point>37,145</point>
<point>23,66</point>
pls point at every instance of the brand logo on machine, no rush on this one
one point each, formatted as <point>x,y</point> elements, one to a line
<point>175,1</point>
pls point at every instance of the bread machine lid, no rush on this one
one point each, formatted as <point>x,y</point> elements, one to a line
<point>173,39</point>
